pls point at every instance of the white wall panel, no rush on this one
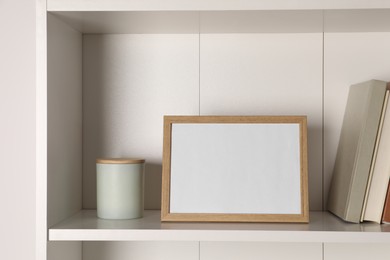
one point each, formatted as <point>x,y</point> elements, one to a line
<point>256,250</point>
<point>141,250</point>
<point>64,251</point>
<point>130,82</point>
<point>267,74</point>
<point>64,160</point>
<point>350,58</point>
<point>17,131</point>
<point>333,251</point>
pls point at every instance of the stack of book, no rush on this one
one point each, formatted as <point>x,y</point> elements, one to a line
<point>360,183</point>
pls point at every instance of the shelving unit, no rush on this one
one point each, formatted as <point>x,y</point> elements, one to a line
<point>323,228</point>
<point>108,71</point>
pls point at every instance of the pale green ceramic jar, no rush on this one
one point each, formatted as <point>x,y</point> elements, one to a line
<point>120,188</point>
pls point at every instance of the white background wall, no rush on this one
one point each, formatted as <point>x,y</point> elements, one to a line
<point>17,129</point>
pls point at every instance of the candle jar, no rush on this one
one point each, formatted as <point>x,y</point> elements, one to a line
<point>120,185</point>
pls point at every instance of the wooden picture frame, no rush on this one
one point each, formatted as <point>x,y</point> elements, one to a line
<point>235,169</point>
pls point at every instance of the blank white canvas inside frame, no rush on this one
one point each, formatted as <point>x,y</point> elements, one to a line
<point>235,168</point>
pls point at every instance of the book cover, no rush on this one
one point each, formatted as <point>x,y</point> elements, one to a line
<point>355,151</point>
<point>378,181</point>
<point>386,208</point>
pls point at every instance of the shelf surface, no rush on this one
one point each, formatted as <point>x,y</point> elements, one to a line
<point>323,227</point>
<point>156,5</point>
<point>250,21</point>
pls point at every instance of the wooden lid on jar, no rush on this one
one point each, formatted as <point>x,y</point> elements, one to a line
<point>119,160</point>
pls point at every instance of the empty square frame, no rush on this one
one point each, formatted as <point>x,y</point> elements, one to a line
<point>235,169</point>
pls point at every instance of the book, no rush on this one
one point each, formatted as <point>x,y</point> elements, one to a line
<point>380,170</point>
<point>386,208</point>
<point>355,150</point>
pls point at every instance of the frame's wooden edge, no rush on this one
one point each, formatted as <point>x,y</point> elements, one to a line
<point>166,168</point>
<point>304,169</point>
<point>235,119</point>
<point>246,218</point>
<point>166,216</point>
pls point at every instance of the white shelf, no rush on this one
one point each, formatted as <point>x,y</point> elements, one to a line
<point>252,21</point>
<point>323,227</point>
<point>319,46</point>
<point>158,5</point>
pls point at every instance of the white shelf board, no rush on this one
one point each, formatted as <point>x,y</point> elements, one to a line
<point>253,21</point>
<point>323,227</point>
<point>193,21</point>
<point>131,22</point>
<point>205,5</point>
